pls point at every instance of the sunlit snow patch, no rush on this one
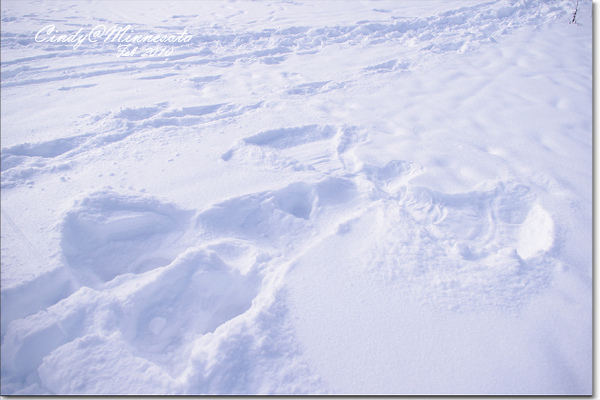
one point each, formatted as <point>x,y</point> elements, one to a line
<point>537,233</point>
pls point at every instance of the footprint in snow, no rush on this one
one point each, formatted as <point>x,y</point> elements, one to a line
<point>137,323</point>
<point>279,219</point>
<point>147,292</point>
<point>22,162</point>
<point>108,234</point>
<point>313,88</point>
<point>194,295</point>
<point>16,155</point>
<point>323,148</point>
<point>388,66</point>
<point>393,176</point>
<point>487,246</point>
<point>506,215</point>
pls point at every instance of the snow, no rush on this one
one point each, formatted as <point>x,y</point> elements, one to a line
<point>301,197</point>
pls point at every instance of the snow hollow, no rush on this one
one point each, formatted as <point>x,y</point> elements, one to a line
<point>296,197</point>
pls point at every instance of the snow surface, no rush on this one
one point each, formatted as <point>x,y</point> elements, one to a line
<point>353,197</point>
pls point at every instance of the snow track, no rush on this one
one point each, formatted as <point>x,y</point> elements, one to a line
<point>333,197</point>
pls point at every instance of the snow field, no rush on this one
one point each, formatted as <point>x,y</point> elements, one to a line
<point>333,197</point>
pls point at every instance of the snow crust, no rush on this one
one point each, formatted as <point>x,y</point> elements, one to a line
<point>375,197</point>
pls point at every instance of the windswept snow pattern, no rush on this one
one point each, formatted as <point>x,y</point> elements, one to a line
<point>296,197</point>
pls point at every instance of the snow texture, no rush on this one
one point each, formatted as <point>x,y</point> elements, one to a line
<point>301,197</point>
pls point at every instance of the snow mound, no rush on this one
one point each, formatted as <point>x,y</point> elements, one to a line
<point>537,233</point>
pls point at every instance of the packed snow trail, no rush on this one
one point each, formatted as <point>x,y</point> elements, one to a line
<point>297,197</point>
